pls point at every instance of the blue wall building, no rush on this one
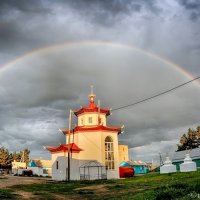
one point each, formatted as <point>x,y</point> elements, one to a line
<point>138,166</point>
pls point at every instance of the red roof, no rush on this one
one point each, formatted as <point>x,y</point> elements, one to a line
<point>64,148</point>
<point>116,129</point>
<point>92,108</point>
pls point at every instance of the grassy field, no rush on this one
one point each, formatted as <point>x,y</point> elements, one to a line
<point>180,186</point>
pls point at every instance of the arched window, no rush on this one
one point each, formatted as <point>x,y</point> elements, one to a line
<point>109,153</point>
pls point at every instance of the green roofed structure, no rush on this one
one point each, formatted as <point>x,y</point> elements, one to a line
<point>179,157</point>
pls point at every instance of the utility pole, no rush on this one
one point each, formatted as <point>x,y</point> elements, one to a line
<point>99,119</point>
<point>69,148</point>
<point>161,161</point>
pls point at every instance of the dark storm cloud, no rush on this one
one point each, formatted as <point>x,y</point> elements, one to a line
<point>17,18</point>
<point>193,6</point>
<point>106,13</point>
<point>110,13</point>
<point>22,22</point>
<point>36,7</point>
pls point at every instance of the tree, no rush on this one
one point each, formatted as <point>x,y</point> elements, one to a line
<point>7,158</point>
<point>183,143</point>
<point>191,140</point>
<point>198,135</point>
<point>5,161</point>
<point>16,156</point>
<point>24,155</point>
<point>198,132</point>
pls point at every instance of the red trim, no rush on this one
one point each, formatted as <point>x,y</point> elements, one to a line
<point>64,148</point>
<point>77,129</point>
<point>63,151</point>
<point>92,108</point>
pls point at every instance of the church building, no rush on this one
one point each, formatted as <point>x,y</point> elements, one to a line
<point>91,145</point>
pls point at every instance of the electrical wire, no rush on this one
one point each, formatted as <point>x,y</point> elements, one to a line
<point>141,101</point>
<point>157,95</point>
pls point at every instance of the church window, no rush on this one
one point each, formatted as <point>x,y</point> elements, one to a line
<point>56,164</point>
<point>90,120</point>
<point>109,153</point>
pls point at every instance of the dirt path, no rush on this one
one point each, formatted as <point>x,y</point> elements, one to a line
<point>8,181</point>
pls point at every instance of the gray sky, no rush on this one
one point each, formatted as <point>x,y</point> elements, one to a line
<point>37,90</point>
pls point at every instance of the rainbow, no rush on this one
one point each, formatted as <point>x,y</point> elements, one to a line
<point>111,44</point>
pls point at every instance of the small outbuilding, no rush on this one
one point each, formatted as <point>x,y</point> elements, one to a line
<point>18,166</point>
<point>92,170</point>
<point>38,168</point>
<point>138,166</point>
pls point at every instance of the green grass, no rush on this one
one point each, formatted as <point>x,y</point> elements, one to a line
<point>6,194</point>
<point>148,187</point>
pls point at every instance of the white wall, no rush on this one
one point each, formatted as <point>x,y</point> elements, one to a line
<point>113,174</point>
<point>83,119</point>
<point>60,174</point>
<point>36,170</point>
<point>93,146</point>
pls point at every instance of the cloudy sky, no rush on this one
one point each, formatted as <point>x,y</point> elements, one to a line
<point>52,51</point>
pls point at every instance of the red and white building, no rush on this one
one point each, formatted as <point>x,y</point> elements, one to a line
<point>92,143</point>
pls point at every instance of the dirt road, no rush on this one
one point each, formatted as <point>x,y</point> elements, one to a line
<point>7,180</point>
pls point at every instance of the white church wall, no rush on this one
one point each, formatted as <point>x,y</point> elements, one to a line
<point>60,169</point>
<point>55,155</point>
<point>75,155</point>
<point>93,145</point>
<point>113,174</point>
<point>92,148</point>
<point>83,119</point>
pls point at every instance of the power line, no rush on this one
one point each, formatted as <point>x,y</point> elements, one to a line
<point>154,96</point>
<point>157,95</point>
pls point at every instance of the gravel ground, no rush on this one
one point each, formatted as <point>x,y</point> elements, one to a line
<point>8,180</point>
